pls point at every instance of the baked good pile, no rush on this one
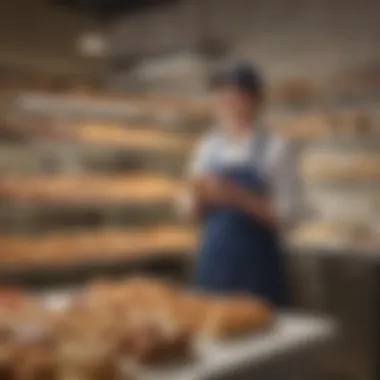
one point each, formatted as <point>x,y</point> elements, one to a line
<point>112,325</point>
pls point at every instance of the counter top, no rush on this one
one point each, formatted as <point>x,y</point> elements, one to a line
<point>291,334</point>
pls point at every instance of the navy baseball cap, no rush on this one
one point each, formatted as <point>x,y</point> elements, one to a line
<point>243,76</point>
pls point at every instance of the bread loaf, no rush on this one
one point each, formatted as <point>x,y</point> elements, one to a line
<point>141,137</point>
<point>236,315</point>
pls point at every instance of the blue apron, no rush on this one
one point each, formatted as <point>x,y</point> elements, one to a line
<point>238,253</point>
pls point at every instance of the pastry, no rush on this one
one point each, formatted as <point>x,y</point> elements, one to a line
<point>138,320</point>
<point>34,362</point>
<point>236,315</point>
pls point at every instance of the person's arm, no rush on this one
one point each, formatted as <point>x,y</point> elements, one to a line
<point>193,200</point>
<point>285,205</point>
<point>257,206</point>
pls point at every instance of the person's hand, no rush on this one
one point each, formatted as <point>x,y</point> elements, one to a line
<point>232,194</point>
<point>214,189</point>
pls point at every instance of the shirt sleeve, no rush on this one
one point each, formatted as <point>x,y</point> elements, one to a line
<point>287,184</point>
<point>200,158</point>
<point>199,163</point>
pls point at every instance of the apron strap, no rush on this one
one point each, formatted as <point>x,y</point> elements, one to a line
<point>259,144</point>
<point>259,149</point>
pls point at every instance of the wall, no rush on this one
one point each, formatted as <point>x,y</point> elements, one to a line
<point>288,38</point>
<point>41,37</point>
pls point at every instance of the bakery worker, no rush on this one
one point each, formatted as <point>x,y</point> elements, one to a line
<point>244,188</point>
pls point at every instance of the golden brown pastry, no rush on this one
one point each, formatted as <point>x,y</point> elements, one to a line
<point>35,363</point>
<point>188,312</point>
<point>141,320</point>
<point>7,349</point>
<point>236,315</point>
<point>86,361</point>
<point>150,344</point>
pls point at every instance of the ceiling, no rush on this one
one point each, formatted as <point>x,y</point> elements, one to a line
<point>109,8</point>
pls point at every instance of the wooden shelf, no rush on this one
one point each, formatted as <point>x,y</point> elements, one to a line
<point>148,138</point>
<point>109,107</point>
<point>332,166</point>
<point>139,187</point>
<point>334,233</point>
<point>95,244</point>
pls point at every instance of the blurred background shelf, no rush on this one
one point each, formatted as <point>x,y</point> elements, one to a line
<point>46,157</point>
<point>88,188</point>
<point>91,252</point>
<point>169,113</point>
<point>47,277</point>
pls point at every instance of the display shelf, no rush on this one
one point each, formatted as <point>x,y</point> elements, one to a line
<point>326,124</point>
<point>333,260</point>
<point>344,234</point>
<point>337,202</point>
<point>141,111</point>
<point>145,138</point>
<point>61,264</point>
<point>98,163</point>
<point>46,276</point>
<point>60,248</point>
<point>65,157</point>
<point>81,189</point>
<point>351,145</point>
<point>18,218</point>
<point>64,259</point>
<point>342,179</point>
<point>110,135</point>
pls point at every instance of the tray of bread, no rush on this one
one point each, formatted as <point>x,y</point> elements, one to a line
<point>119,330</point>
<point>139,187</point>
<point>135,137</point>
<point>93,246</point>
